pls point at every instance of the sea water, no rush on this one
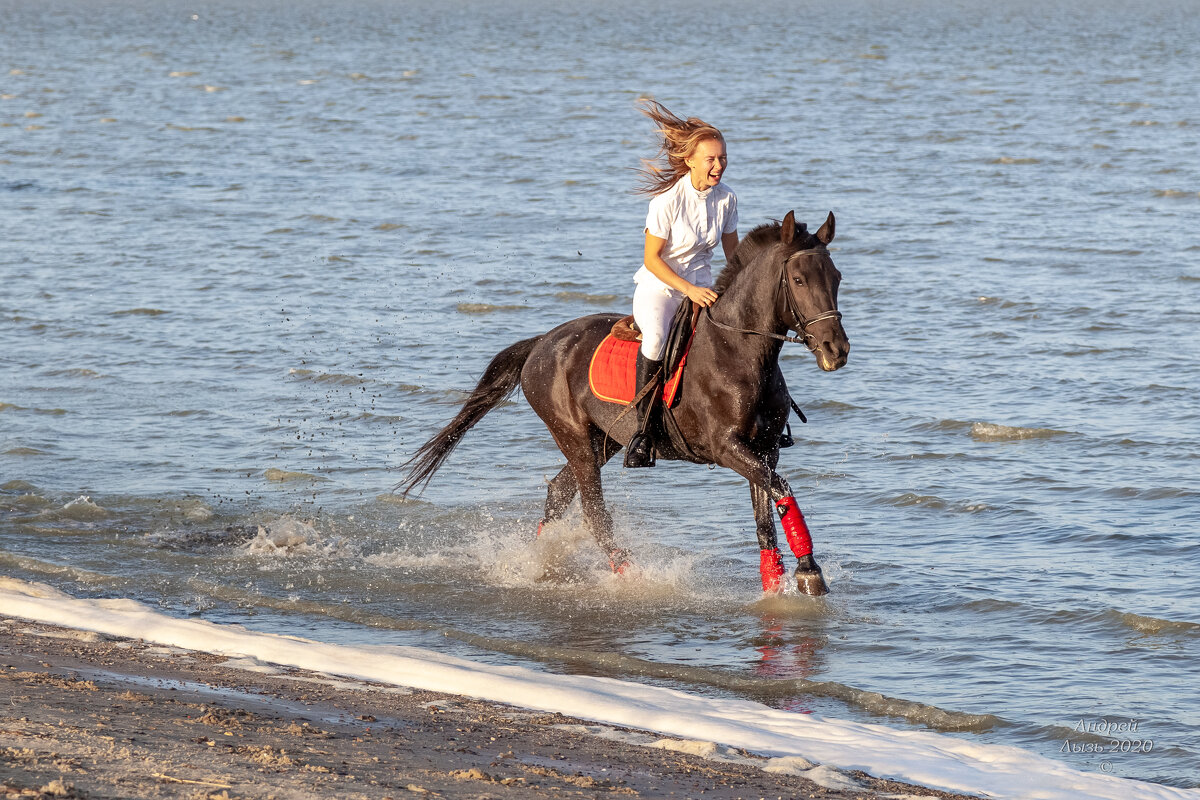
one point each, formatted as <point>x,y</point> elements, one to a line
<point>255,254</point>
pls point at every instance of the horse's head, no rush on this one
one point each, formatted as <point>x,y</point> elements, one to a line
<point>811,283</point>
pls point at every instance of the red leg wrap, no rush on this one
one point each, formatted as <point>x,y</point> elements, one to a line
<point>541,525</point>
<point>771,567</point>
<point>794,527</point>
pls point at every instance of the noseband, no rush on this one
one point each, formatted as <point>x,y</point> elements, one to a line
<point>801,324</point>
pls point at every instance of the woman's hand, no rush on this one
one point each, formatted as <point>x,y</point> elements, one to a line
<point>701,296</point>
<point>652,258</point>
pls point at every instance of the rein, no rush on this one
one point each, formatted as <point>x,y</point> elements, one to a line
<point>801,325</point>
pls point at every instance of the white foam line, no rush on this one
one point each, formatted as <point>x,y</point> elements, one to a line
<point>919,757</point>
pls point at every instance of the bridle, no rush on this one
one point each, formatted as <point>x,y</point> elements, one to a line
<point>801,324</point>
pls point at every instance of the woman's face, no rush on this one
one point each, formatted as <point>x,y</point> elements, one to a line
<point>706,163</point>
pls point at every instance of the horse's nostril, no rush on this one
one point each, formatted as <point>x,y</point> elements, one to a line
<point>838,350</point>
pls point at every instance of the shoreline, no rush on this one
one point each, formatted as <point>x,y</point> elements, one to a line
<point>108,716</point>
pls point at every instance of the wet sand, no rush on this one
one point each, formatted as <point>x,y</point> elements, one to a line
<point>89,716</point>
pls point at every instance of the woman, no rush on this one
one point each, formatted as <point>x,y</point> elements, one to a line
<point>690,212</point>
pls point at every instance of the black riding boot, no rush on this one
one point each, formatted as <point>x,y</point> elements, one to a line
<point>640,452</point>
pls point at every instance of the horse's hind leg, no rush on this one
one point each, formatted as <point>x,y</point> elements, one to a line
<point>563,486</point>
<point>559,495</point>
<point>585,458</point>
<point>770,562</point>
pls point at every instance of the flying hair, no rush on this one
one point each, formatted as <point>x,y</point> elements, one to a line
<point>678,140</point>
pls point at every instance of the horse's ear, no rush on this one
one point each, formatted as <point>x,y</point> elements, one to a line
<point>788,231</point>
<point>825,234</point>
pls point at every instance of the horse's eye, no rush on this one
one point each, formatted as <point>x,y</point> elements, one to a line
<point>798,281</point>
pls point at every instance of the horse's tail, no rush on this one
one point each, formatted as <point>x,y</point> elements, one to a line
<point>499,380</point>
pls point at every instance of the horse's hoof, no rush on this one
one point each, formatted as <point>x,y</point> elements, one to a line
<point>618,561</point>
<point>811,583</point>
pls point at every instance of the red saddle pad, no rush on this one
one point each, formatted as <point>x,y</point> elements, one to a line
<point>612,373</point>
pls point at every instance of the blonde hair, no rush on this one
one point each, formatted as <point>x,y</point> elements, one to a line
<point>679,139</point>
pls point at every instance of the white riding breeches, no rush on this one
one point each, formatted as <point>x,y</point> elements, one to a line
<point>653,310</point>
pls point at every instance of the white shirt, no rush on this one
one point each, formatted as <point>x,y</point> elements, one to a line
<point>692,222</point>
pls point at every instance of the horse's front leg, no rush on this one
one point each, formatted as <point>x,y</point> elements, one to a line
<point>770,564</point>
<point>760,471</point>
<point>809,579</point>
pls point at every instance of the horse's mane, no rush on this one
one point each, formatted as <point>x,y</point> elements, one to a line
<point>748,248</point>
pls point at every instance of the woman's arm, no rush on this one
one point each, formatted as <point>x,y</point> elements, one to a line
<point>729,243</point>
<point>653,260</point>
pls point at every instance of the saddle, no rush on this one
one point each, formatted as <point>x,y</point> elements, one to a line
<point>611,373</point>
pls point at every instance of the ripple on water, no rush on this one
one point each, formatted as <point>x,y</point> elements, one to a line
<point>991,432</point>
<point>27,501</point>
<point>487,308</point>
<point>911,499</point>
<point>77,372</point>
<point>81,509</point>
<point>377,419</point>
<point>1151,494</point>
<point>584,297</point>
<point>285,476</point>
<point>54,412</point>
<point>1176,194</point>
<point>1105,621</point>
<point>1154,625</point>
<point>326,377</point>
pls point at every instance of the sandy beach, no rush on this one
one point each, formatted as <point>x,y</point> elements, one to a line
<point>93,716</point>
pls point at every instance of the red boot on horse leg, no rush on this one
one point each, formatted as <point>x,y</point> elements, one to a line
<point>809,579</point>
<point>770,567</point>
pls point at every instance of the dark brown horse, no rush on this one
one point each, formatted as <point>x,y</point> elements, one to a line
<point>733,402</point>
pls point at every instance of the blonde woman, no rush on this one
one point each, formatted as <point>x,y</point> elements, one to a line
<point>691,211</point>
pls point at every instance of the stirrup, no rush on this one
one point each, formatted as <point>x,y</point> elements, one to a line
<point>785,438</point>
